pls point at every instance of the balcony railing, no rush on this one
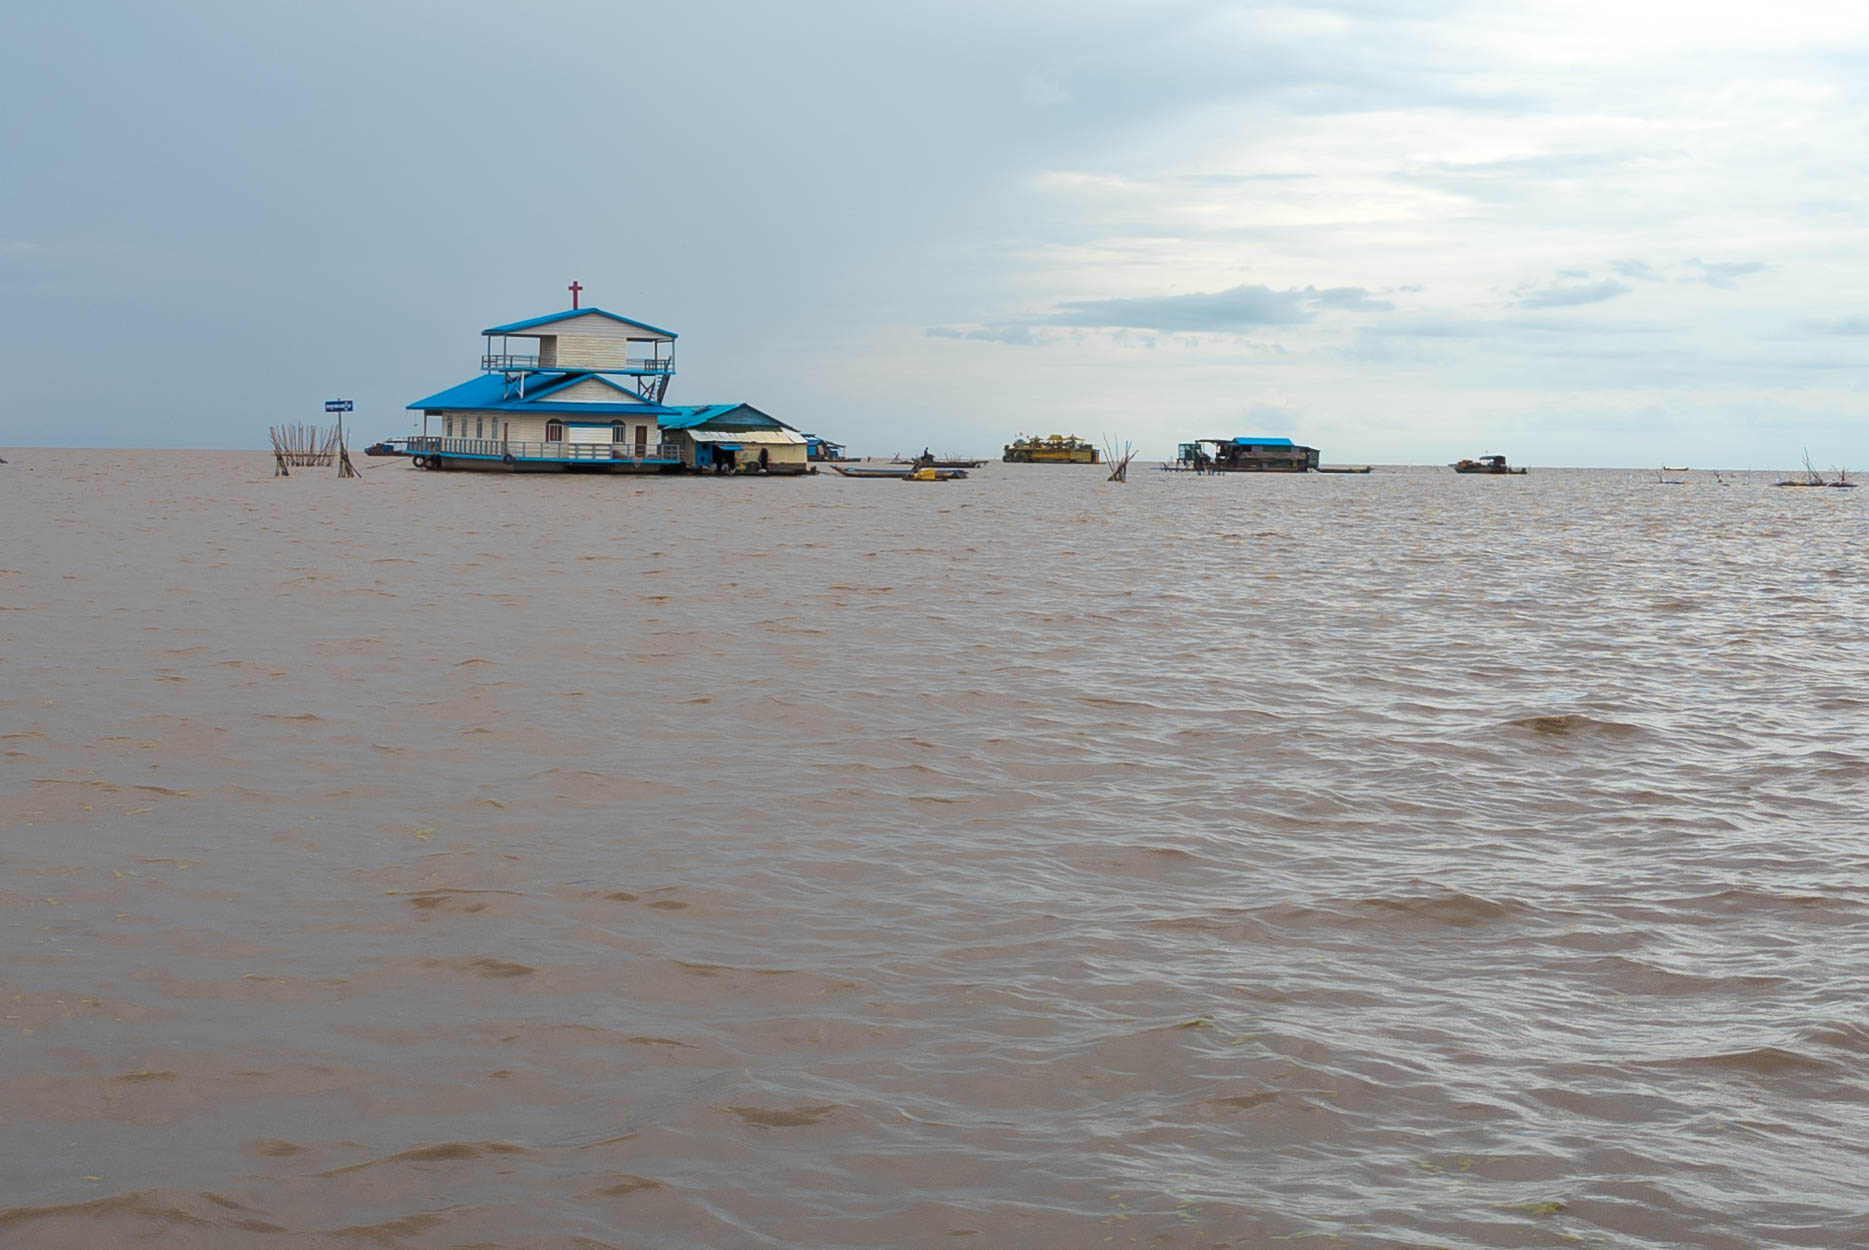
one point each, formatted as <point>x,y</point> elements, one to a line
<point>499,449</point>
<point>509,363</point>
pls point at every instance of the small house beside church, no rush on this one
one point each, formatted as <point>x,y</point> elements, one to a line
<point>735,438</point>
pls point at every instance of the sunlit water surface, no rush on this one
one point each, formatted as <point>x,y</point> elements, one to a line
<point>443,860</point>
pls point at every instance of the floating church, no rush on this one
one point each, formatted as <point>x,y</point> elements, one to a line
<point>588,397</point>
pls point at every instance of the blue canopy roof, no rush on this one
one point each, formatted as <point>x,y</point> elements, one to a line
<point>515,327</point>
<point>1264,442</point>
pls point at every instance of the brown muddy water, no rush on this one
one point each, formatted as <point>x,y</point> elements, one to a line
<point>442,860</point>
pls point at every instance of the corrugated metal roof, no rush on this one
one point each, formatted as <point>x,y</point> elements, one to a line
<point>744,436</point>
<point>514,327</point>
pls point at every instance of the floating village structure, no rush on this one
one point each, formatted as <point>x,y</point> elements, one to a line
<point>1055,449</point>
<point>589,397</point>
<point>1491,464</point>
<point>1246,455</point>
<point>734,438</point>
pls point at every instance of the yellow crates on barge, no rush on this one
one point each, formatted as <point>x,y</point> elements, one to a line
<point>1054,449</point>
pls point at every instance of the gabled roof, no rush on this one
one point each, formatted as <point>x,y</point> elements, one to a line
<point>720,416</point>
<point>565,381</point>
<point>489,393</point>
<point>515,327</point>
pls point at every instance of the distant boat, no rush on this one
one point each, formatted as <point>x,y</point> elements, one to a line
<point>905,473</point>
<point>937,462</point>
<point>1485,464</point>
<point>1248,454</point>
<point>1055,449</point>
<point>1669,468</point>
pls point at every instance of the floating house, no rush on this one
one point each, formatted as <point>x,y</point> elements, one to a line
<point>1246,455</point>
<point>1488,464</point>
<point>588,397</point>
<point>734,438</point>
<point>823,449</point>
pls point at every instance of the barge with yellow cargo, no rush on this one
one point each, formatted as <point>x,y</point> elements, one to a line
<point>1050,449</point>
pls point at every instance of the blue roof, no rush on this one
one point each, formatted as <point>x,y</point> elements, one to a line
<point>514,327</point>
<point>688,417</point>
<point>488,393</point>
<point>1264,442</point>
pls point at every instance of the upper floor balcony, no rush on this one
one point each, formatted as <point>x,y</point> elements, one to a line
<point>507,362</point>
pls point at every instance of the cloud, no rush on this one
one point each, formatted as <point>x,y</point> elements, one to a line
<point>1236,308</point>
<point>1641,269</point>
<point>1857,325</point>
<point>1566,295</point>
<point>1044,93</point>
<point>1351,297</point>
<point>1011,335</point>
<point>1722,272</point>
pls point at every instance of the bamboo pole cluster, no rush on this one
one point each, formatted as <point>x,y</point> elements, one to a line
<point>1118,461</point>
<point>303,445</point>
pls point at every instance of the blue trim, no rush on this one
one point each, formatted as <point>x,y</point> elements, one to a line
<point>513,327</point>
<point>649,411</point>
<point>487,393</point>
<point>474,455</point>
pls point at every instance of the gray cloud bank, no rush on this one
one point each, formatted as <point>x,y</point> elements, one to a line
<point>1722,272</point>
<point>1566,295</point>
<point>1237,308</point>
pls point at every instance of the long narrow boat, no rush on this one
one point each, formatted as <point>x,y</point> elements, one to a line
<point>933,462</point>
<point>907,473</point>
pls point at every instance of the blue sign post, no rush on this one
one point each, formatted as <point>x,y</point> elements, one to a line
<point>341,406</point>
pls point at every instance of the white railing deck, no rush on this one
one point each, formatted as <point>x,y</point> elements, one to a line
<point>500,448</point>
<point>508,362</point>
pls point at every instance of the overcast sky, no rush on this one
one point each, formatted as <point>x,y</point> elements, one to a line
<point>1577,232</point>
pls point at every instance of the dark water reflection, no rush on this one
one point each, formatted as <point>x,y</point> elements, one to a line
<point>441,860</point>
